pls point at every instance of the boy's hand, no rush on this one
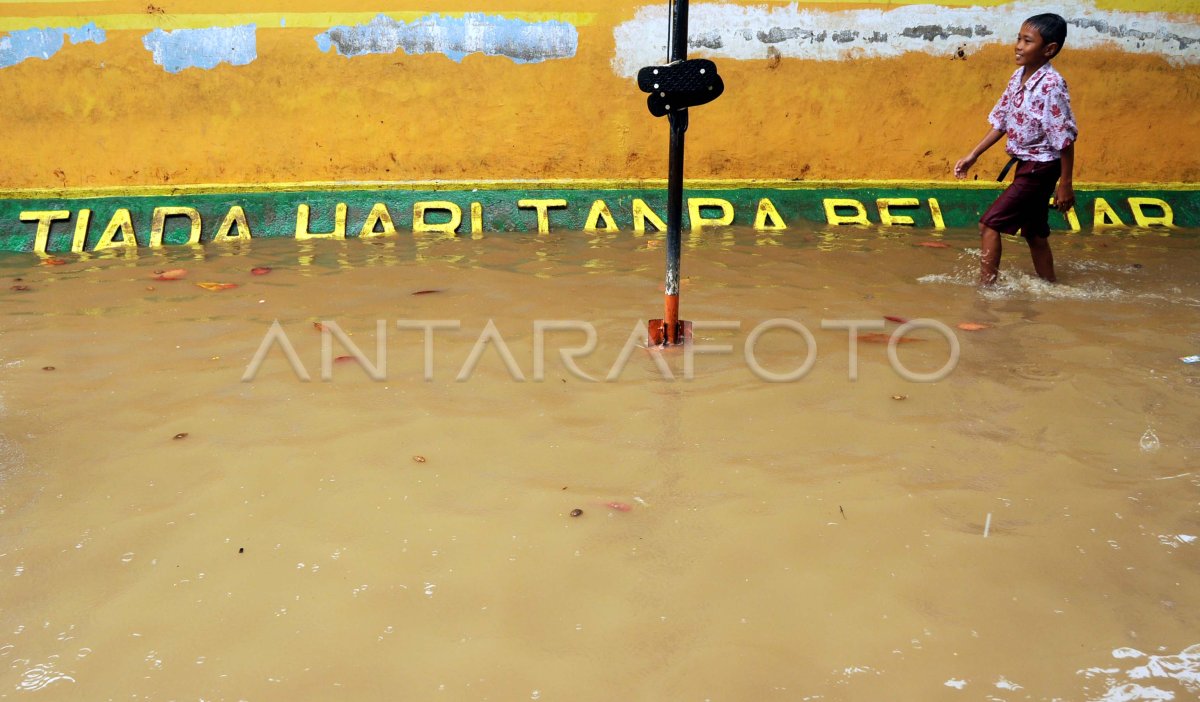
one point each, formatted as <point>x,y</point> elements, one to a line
<point>1064,197</point>
<point>964,164</point>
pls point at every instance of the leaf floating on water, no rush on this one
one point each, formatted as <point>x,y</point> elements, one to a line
<point>619,506</point>
<point>217,287</point>
<point>318,326</point>
<point>20,288</point>
<point>419,459</point>
<point>173,274</point>
<point>260,270</point>
<point>897,320</point>
<point>427,292</point>
<point>52,261</point>
<point>343,359</point>
<point>972,326</point>
<point>934,244</point>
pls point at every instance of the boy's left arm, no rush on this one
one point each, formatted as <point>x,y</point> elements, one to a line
<point>1062,132</point>
<point>1064,195</point>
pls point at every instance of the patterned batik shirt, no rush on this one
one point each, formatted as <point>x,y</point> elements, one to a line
<point>1035,115</point>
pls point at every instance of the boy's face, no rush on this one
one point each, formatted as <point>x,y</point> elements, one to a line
<point>1031,49</point>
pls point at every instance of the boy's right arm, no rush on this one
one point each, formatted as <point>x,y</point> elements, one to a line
<point>964,164</point>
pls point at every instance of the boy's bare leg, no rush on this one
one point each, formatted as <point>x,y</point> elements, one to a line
<point>989,254</point>
<point>1043,257</point>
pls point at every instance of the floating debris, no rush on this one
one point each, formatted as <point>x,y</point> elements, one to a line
<point>972,326</point>
<point>576,512</point>
<point>619,506</point>
<point>897,320</point>
<point>1176,540</point>
<point>260,270</point>
<point>934,244</point>
<point>216,287</point>
<point>1005,684</point>
<point>172,274</point>
<point>180,435</point>
<point>419,459</point>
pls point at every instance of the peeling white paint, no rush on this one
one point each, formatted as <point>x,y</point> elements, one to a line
<point>202,48</point>
<point>18,46</point>
<point>474,32</point>
<point>723,30</point>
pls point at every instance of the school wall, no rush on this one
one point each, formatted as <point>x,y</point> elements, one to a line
<point>162,92</point>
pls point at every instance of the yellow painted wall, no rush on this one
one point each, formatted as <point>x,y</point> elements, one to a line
<point>106,115</point>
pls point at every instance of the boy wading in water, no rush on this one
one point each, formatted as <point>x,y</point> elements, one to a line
<point>1035,114</point>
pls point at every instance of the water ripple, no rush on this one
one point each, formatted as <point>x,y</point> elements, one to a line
<point>41,676</point>
<point>1139,683</point>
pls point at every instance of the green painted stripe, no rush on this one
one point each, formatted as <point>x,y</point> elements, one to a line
<point>274,214</point>
<point>264,20</point>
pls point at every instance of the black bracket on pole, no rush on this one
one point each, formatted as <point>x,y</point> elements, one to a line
<point>680,85</point>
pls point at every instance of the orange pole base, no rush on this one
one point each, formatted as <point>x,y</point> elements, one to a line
<point>670,330</point>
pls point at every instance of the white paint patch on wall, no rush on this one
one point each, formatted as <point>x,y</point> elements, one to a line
<point>456,37</point>
<point>44,43</point>
<point>202,48</point>
<point>722,30</point>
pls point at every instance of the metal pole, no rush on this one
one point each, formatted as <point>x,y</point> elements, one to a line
<point>678,31</point>
<point>676,51</point>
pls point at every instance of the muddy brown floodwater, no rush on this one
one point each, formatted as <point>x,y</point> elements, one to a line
<point>178,521</point>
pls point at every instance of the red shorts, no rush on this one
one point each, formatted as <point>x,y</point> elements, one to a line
<point>1025,205</point>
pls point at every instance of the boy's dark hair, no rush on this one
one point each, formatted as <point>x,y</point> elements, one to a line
<point>1052,27</point>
